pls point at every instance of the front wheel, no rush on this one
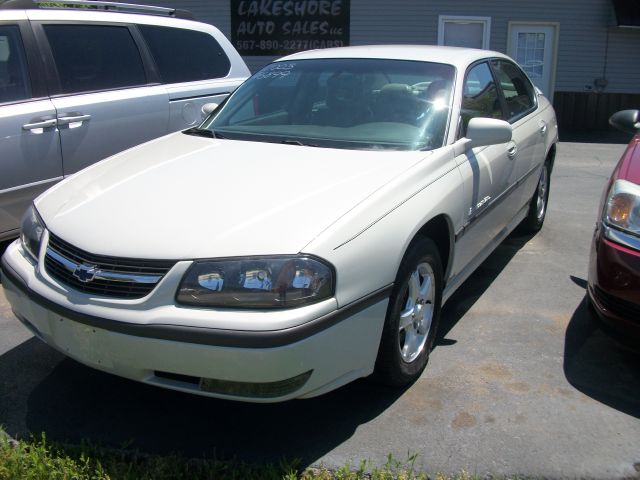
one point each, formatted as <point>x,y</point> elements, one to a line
<point>532,223</point>
<point>412,315</point>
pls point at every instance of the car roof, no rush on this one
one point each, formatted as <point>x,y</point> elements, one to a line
<point>90,9</point>
<point>459,57</point>
<point>90,15</point>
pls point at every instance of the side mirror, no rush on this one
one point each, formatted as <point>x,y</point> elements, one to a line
<point>208,108</point>
<point>487,131</point>
<point>627,121</point>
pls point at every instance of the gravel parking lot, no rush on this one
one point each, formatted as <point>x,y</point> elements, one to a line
<point>522,381</point>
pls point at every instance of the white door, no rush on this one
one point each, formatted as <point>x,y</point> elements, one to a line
<point>488,172</point>
<point>532,46</point>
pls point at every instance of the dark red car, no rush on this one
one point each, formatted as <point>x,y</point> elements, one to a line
<point>614,268</point>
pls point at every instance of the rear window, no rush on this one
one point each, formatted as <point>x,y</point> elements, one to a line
<point>185,55</point>
<point>516,87</point>
<point>95,57</point>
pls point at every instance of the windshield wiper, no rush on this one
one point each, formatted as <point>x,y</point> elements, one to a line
<point>202,132</point>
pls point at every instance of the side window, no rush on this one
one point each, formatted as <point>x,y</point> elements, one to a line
<point>185,55</point>
<point>95,57</point>
<point>480,96</point>
<point>516,87</point>
<point>14,75</point>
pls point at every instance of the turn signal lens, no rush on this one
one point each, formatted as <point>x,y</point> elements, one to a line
<point>31,232</point>
<point>622,210</point>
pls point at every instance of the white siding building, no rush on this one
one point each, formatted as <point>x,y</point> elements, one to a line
<point>584,54</point>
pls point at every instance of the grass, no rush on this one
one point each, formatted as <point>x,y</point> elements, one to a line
<point>40,459</point>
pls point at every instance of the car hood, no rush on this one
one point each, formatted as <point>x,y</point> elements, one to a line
<point>184,197</point>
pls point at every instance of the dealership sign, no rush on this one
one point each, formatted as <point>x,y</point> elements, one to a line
<point>279,27</point>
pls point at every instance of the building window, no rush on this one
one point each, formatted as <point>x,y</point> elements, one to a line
<point>530,53</point>
<point>459,31</point>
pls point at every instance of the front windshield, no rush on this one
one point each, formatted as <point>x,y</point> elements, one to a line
<point>341,103</point>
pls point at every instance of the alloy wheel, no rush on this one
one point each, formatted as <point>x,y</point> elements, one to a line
<point>541,201</point>
<point>417,314</point>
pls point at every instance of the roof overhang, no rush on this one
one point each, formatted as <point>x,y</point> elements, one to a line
<point>627,13</point>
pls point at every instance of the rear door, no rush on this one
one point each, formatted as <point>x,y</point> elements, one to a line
<point>106,96</point>
<point>195,69</point>
<point>30,159</point>
<point>529,129</point>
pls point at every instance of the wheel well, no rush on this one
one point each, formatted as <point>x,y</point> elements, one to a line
<point>439,230</point>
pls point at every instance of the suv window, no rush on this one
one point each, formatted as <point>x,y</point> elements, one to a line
<point>480,96</point>
<point>185,55</point>
<point>516,87</point>
<point>95,57</point>
<point>14,76</point>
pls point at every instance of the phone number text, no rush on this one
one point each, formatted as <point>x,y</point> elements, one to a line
<point>277,45</point>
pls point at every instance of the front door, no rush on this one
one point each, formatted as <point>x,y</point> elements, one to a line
<point>533,47</point>
<point>488,172</point>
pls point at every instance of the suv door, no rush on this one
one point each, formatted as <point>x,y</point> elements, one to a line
<point>107,99</point>
<point>30,159</point>
<point>195,69</point>
<point>488,172</point>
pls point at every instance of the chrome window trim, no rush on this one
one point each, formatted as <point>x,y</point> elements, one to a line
<point>32,184</point>
<point>626,239</point>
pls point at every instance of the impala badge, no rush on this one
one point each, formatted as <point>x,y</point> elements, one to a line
<point>85,273</point>
<point>482,202</point>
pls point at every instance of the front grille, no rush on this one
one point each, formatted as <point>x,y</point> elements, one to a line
<point>112,277</point>
<point>617,306</point>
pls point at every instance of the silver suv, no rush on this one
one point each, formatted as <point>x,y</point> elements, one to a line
<point>80,84</point>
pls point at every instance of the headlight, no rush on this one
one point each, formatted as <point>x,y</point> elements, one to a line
<point>622,210</point>
<point>257,282</point>
<point>31,232</point>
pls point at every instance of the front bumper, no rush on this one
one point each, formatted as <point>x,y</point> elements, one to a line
<point>137,341</point>
<point>614,285</point>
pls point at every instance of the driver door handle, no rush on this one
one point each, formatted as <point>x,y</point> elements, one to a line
<point>543,127</point>
<point>512,150</point>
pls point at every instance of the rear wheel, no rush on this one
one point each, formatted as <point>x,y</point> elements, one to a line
<point>532,223</point>
<point>412,315</point>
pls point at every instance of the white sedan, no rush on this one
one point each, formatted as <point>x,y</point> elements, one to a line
<point>305,235</point>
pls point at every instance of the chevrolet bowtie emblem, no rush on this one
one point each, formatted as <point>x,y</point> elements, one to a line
<point>85,273</point>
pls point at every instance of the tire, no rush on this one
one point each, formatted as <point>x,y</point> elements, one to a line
<point>404,350</point>
<point>532,223</point>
